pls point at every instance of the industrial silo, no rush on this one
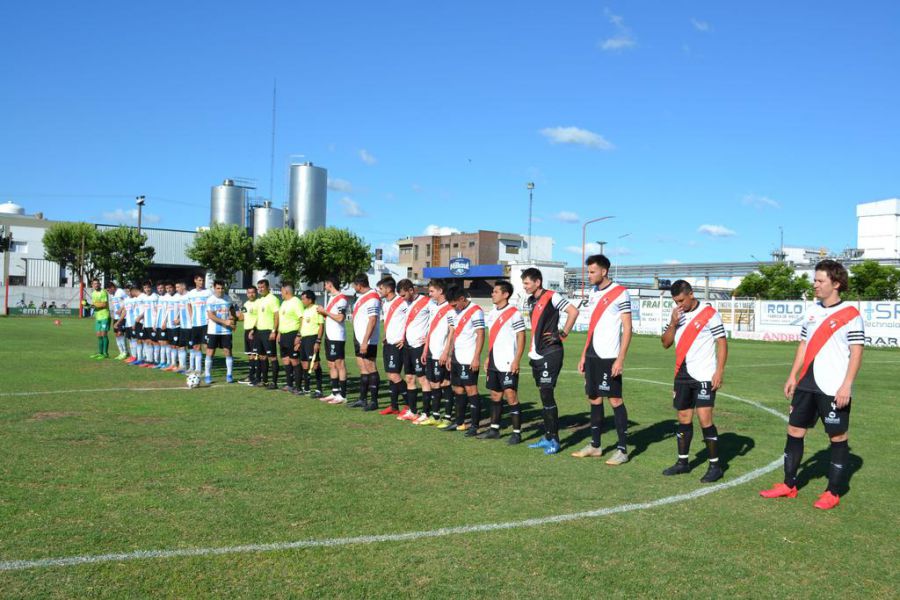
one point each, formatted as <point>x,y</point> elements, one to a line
<point>227,204</point>
<point>307,198</point>
<point>266,218</point>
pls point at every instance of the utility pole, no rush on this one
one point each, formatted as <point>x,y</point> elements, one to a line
<point>530,186</point>
<point>139,200</point>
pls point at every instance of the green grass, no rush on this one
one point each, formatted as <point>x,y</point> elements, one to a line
<point>92,473</point>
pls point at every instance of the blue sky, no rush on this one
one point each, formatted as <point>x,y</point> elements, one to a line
<point>701,126</point>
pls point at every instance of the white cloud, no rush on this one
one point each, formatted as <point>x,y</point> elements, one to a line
<point>623,38</point>
<point>439,230</point>
<point>576,135</point>
<point>366,157</point>
<point>594,248</point>
<point>716,230</point>
<point>619,251</point>
<point>699,25</point>
<point>759,201</point>
<point>390,251</point>
<point>340,185</point>
<point>351,207</point>
<point>129,217</point>
<point>566,216</point>
<point>418,189</point>
<point>671,261</point>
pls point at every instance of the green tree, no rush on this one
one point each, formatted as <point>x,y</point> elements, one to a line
<point>278,251</point>
<point>224,250</point>
<point>872,281</point>
<point>72,245</point>
<point>332,251</point>
<point>122,254</point>
<point>775,282</point>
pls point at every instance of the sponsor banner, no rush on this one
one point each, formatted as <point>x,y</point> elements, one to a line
<point>882,322</point>
<point>766,336</point>
<point>42,312</point>
<point>781,313</point>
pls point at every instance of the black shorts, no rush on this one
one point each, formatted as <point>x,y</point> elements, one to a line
<point>184,337</point>
<point>119,329</point>
<point>198,335</point>
<point>370,352</point>
<point>308,348</point>
<point>152,333</point>
<point>498,381</point>
<point>286,345</point>
<point>392,358</point>
<point>334,350</point>
<point>263,344</point>
<point>598,379</point>
<point>807,407</point>
<point>546,370</point>
<point>129,333</point>
<point>412,360</point>
<point>436,372</point>
<point>162,335</point>
<point>222,340</point>
<point>688,393</point>
<point>136,331</point>
<point>249,344</point>
<point>462,375</point>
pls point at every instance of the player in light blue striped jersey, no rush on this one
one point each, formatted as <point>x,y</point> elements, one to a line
<point>220,328</point>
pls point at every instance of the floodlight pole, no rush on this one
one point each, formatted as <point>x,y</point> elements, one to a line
<point>583,242</point>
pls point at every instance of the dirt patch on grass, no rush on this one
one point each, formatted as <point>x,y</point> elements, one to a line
<point>52,415</point>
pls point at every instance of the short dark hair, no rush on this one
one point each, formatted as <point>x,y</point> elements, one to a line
<point>456,292</point>
<point>251,287</point>
<point>147,282</point>
<point>170,282</point>
<point>200,275</point>
<point>110,284</point>
<point>438,284</point>
<point>264,282</point>
<point>598,259</point>
<point>311,295</point>
<point>533,274</point>
<point>134,286</point>
<point>389,283</point>
<point>95,279</point>
<point>333,280</point>
<point>361,279</point>
<point>405,284</point>
<point>218,282</point>
<point>836,272</point>
<point>287,284</point>
<point>504,286</point>
<point>680,287</point>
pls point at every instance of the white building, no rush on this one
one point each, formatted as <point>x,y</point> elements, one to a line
<point>878,229</point>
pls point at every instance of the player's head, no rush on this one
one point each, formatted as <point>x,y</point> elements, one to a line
<point>437,290</point>
<point>597,268</point>
<point>263,286</point>
<point>180,287</point>
<point>501,292</point>
<point>361,283</point>
<point>532,280</point>
<point>831,277</point>
<point>406,289</point>
<point>682,294</point>
<point>111,286</point>
<point>148,287</point>
<point>170,287</point>
<point>95,283</point>
<point>218,287</point>
<point>387,286</point>
<point>307,297</point>
<point>199,278</point>
<point>458,297</point>
<point>160,288</point>
<point>287,290</point>
<point>332,284</point>
<point>251,292</point>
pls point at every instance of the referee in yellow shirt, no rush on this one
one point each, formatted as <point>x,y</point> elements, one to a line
<point>267,306</point>
<point>312,327</point>
<point>289,316</point>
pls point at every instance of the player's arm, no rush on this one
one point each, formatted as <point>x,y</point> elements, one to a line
<point>334,316</point>
<point>791,384</point>
<point>520,351</point>
<point>571,317</point>
<point>668,336</point>
<point>190,310</point>
<point>448,344</point>
<point>275,319</point>
<point>479,344</point>
<point>371,324</point>
<point>619,363</point>
<point>721,358</point>
<point>842,397</point>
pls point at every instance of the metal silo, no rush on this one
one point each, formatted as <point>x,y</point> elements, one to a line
<point>266,218</point>
<point>227,204</point>
<point>307,198</point>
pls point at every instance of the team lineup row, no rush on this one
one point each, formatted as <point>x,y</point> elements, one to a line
<point>432,345</point>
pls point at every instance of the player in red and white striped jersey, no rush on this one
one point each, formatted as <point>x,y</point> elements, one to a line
<point>820,384</point>
<point>701,350</point>
<point>366,311</point>
<point>335,313</point>
<point>436,352</point>
<point>417,319</point>
<point>466,342</point>
<point>506,345</point>
<point>393,312</point>
<point>609,335</point>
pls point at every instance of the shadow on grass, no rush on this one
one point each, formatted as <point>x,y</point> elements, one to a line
<point>816,467</point>
<point>731,445</point>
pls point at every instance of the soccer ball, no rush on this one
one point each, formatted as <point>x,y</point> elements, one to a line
<point>193,380</point>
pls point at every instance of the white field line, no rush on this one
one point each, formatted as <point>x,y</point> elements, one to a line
<point>19,565</point>
<point>786,365</point>
<point>93,391</point>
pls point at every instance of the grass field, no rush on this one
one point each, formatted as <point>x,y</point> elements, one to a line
<point>150,466</point>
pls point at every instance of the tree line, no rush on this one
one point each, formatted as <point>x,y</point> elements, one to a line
<point>869,280</point>
<point>122,254</point>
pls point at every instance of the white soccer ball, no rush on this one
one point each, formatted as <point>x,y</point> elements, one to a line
<point>193,380</point>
